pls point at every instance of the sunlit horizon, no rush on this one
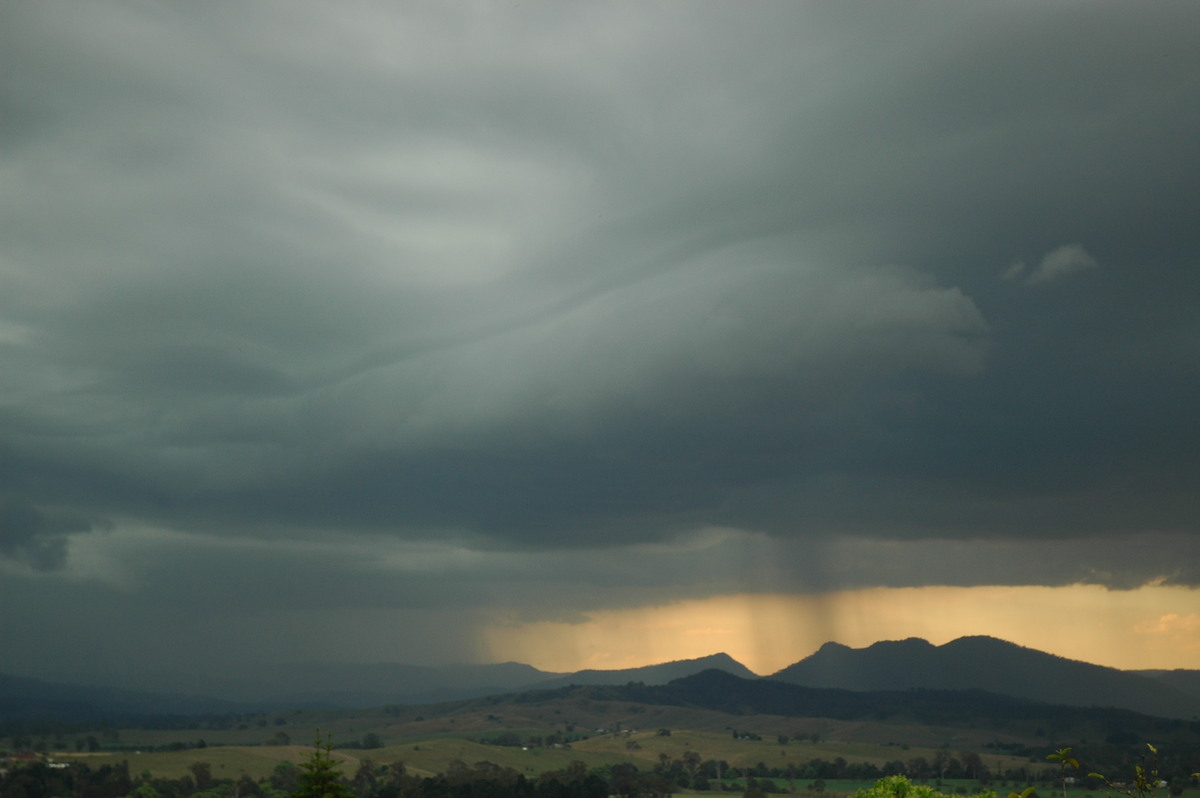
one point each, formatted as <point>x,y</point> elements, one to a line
<point>1151,627</point>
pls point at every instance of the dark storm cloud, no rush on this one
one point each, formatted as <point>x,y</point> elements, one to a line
<point>563,277</point>
<point>28,535</point>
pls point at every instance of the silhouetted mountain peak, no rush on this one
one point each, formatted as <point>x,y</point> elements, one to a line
<point>985,663</point>
<point>720,661</point>
<point>911,645</point>
<point>654,674</point>
<point>984,643</point>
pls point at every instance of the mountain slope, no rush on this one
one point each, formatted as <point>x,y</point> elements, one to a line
<point>978,713</point>
<point>290,686</point>
<point>334,685</point>
<point>391,683</point>
<point>22,697</point>
<point>363,685</point>
<point>1186,681</point>
<point>654,674</point>
<point>985,663</point>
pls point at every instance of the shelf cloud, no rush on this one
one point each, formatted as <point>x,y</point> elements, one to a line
<point>428,314</point>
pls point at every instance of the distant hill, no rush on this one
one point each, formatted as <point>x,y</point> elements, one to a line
<point>969,663</point>
<point>1187,681</point>
<point>335,685</point>
<point>349,685</point>
<point>365,685</point>
<point>655,674</point>
<point>986,663</point>
<point>21,697</point>
<point>685,700</point>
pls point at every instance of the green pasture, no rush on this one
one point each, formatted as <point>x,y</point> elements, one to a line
<point>648,745</point>
<point>228,762</point>
<point>426,758</point>
<point>431,755</point>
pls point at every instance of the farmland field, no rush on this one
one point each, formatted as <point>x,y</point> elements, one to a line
<point>433,755</point>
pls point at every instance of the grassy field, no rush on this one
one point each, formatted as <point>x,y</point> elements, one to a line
<point>569,718</point>
<point>426,758</point>
<point>433,755</point>
<point>228,762</point>
<point>748,753</point>
<point>427,739</point>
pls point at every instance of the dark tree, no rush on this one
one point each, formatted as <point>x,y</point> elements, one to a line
<point>202,773</point>
<point>320,776</point>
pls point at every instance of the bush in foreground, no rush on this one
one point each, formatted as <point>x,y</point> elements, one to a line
<point>901,787</point>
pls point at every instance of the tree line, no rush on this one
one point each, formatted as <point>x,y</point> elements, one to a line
<point>319,776</point>
<point>41,779</point>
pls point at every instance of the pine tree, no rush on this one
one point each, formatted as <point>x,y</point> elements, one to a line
<point>320,776</point>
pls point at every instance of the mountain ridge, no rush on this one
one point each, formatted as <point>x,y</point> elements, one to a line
<point>328,685</point>
<point>987,663</point>
<point>974,662</point>
<point>661,673</point>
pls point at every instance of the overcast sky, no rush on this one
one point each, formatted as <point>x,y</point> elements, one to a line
<point>367,330</point>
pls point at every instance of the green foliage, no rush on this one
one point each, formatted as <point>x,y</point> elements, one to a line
<point>1063,757</point>
<point>1145,777</point>
<point>901,787</point>
<point>320,776</point>
<point>202,773</point>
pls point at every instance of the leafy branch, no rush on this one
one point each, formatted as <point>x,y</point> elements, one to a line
<point>1145,777</point>
<point>1063,757</point>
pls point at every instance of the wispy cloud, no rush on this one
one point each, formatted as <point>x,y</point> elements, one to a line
<point>1055,265</point>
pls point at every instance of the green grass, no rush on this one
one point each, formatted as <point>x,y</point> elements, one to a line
<point>748,753</point>
<point>426,758</point>
<point>432,753</point>
<point>430,757</point>
<point>228,762</point>
<point>427,744</point>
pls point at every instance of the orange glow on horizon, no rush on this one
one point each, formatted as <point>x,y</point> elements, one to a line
<point>1153,626</point>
